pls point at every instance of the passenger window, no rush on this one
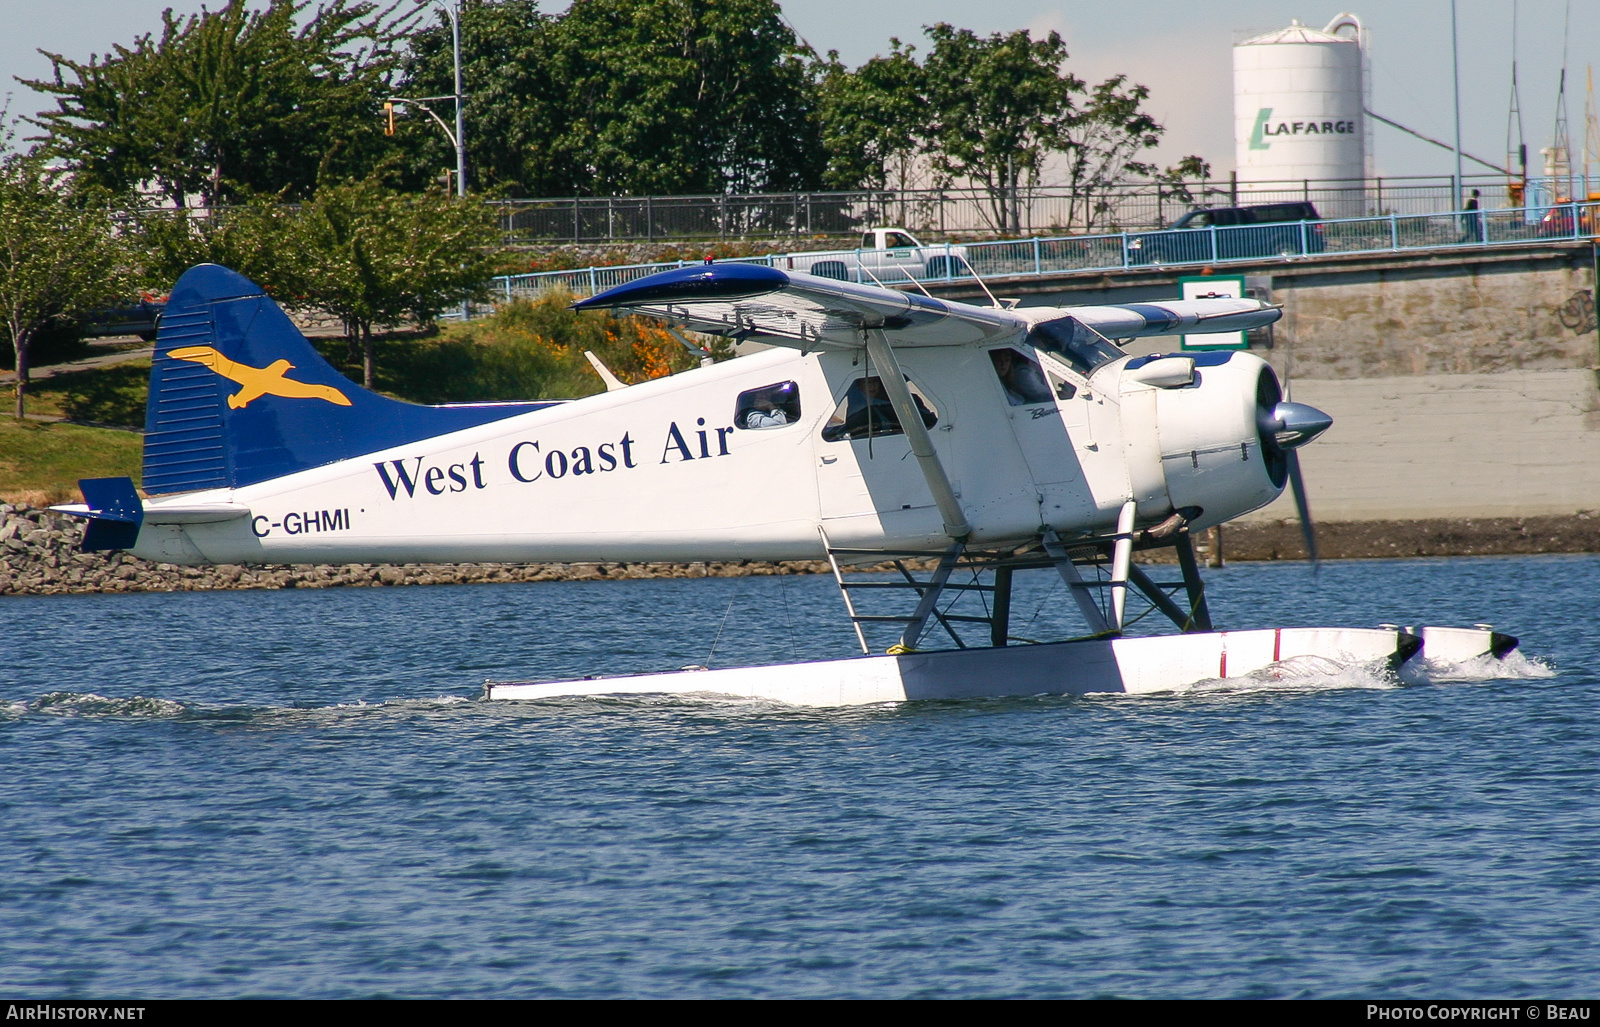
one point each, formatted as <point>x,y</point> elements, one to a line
<point>771,406</point>
<point>869,240</point>
<point>1020,377</point>
<point>866,411</point>
<point>1200,221</point>
<point>899,240</point>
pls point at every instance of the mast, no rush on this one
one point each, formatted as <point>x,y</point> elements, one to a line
<point>1517,150</point>
<point>1561,145</point>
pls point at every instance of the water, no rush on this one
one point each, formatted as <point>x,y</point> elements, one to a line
<point>297,794</point>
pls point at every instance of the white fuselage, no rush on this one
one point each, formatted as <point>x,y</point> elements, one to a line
<point>660,472</point>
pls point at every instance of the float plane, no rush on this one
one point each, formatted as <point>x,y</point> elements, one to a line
<point>961,444</point>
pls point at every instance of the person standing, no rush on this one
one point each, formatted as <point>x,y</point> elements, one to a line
<point>1472,220</point>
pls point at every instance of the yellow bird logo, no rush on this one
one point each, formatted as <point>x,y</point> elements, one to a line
<point>258,381</point>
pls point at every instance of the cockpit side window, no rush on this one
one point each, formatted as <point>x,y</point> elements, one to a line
<point>771,406</point>
<point>1083,348</point>
<point>866,411</point>
<point>1020,377</point>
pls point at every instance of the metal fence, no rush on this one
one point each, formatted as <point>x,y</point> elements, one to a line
<point>940,213</point>
<point>1119,251</point>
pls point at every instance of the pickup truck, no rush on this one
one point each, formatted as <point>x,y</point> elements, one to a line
<point>888,254</point>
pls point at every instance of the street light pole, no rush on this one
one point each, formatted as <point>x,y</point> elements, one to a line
<point>453,10</point>
<point>1455,75</point>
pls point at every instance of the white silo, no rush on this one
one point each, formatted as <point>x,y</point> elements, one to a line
<point>1298,102</point>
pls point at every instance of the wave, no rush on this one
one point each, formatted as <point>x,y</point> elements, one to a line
<point>1299,674</point>
<point>1516,665</point>
<point>140,707</point>
<point>1317,673</point>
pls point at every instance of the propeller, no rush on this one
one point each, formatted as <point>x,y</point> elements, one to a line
<point>1284,428</point>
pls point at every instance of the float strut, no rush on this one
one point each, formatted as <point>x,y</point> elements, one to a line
<point>1200,614</point>
<point>1075,583</point>
<point>1000,619</point>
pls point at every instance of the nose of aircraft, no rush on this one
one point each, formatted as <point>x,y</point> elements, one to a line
<point>1292,425</point>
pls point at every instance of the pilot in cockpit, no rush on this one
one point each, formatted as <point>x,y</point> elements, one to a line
<point>1020,376</point>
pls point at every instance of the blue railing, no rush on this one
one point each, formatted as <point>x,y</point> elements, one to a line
<point>1563,223</point>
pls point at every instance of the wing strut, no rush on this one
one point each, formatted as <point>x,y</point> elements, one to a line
<point>894,385</point>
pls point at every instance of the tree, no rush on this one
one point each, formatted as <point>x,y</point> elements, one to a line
<point>374,256</point>
<point>872,118</point>
<point>683,96</point>
<point>514,107</point>
<point>58,257</point>
<point>996,107</point>
<point>1103,145</point>
<point>255,238</point>
<point>227,103</point>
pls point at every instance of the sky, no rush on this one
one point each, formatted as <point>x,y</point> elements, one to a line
<point>1180,49</point>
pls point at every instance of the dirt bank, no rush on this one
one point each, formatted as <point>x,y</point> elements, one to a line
<point>39,555</point>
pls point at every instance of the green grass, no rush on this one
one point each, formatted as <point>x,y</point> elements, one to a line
<point>105,395</point>
<point>40,462</point>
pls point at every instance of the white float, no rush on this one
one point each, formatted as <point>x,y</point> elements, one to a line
<point>1131,666</point>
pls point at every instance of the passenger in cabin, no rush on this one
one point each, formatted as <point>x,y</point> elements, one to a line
<point>771,406</point>
<point>1020,376</point>
<point>765,413</point>
<point>866,410</point>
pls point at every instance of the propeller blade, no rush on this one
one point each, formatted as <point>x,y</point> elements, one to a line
<point>1297,483</point>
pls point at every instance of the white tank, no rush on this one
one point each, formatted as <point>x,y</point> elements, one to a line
<point>1298,100</point>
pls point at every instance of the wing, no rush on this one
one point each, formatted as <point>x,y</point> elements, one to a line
<point>1177,317</point>
<point>802,311</point>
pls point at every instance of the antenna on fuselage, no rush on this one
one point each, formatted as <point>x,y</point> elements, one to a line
<point>613,383</point>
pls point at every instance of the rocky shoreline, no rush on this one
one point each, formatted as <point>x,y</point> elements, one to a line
<point>39,555</point>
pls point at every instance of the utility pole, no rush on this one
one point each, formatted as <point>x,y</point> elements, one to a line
<point>1455,76</point>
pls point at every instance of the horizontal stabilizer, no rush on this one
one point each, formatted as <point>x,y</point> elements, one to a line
<point>802,311</point>
<point>114,510</point>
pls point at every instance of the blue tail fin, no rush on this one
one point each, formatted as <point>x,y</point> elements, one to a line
<point>237,395</point>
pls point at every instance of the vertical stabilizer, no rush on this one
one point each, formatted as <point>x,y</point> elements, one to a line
<point>237,395</point>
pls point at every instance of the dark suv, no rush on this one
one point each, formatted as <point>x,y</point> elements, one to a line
<point>1266,230</point>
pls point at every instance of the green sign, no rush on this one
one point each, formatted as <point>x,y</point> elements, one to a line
<point>1201,287</point>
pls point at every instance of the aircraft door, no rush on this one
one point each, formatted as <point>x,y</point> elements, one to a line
<point>1049,410</point>
<point>866,473</point>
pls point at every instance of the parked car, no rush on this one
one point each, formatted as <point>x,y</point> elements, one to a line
<point>1264,230</point>
<point>142,319</point>
<point>889,254</point>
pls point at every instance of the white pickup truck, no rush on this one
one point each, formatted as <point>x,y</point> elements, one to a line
<point>888,254</point>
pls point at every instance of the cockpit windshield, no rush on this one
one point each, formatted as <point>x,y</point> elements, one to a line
<point>1079,345</point>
